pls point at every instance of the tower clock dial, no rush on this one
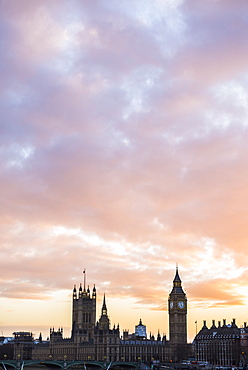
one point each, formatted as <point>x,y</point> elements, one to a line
<point>181,304</point>
<point>171,304</point>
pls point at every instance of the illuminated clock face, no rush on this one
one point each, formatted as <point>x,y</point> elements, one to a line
<point>181,304</point>
<point>171,304</point>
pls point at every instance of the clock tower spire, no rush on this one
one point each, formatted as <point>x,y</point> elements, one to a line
<point>177,309</point>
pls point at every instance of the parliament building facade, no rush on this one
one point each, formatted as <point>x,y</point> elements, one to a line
<point>93,340</point>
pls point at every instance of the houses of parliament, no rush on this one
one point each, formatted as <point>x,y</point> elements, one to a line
<point>95,340</point>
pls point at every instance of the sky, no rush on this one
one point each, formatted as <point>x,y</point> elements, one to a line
<point>123,151</point>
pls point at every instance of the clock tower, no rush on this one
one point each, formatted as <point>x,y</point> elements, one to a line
<point>177,314</point>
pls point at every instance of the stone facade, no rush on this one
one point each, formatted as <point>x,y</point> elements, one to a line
<point>219,345</point>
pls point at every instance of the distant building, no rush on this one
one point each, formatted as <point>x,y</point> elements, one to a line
<point>244,345</point>
<point>6,348</point>
<point>219,345</point>
<point>140,330</point>
<point>23,345</point>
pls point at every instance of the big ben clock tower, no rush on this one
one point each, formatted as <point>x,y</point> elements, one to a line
<point>177,314</point>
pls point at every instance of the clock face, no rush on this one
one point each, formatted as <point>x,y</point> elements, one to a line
<point>171,304</point>
<point>181,304</point>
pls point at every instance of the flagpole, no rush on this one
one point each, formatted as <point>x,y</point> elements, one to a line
<point>84,278</point>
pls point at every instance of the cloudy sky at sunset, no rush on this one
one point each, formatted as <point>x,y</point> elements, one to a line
<point>123,150</point>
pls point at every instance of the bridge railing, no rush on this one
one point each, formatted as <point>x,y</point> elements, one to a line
<point>21,364</point>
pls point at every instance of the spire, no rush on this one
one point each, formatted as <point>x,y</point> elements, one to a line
<point>74,292</point>
<point>94,292</point>
<point>177,284</point>
<point>177,280</point>
<point>104,307</point>
<point>104,320</point>
<point>158,336</point>
<point>80,291</point>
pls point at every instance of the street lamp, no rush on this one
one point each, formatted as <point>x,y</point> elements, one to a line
<point>5,356</point>
<point>89,358</point>
<point>243,360</point>
<point>65,361</point>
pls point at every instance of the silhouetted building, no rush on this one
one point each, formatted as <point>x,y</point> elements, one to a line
<point>219,345</point>
<point>244,345</point>
<point>23,345</point>
<point>97,341</point>
<point>6,348</point>
<point>177,308</point>
<point>83,314</point>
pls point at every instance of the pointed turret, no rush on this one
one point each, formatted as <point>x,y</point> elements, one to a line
<point>177,277</point>
<point>104,306</point>
<point>94,292</point>
<point>104,320</point>
<point>74,292</point>
<point>158,336</point>
<point>80,291</point>
<point>177,283</point>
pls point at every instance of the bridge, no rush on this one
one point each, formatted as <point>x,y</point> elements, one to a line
<point>86,365</point>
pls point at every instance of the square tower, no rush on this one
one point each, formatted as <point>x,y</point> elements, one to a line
<point>83,314</point>
<point>177,309</point>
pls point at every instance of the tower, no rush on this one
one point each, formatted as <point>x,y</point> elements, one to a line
<point>83,313</point>
<point>104,319</point>
<point>140,330</point>
<point>177,308</point>
<point>106,340</point>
